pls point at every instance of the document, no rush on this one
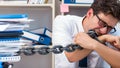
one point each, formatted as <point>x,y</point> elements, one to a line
<point>3,27</point>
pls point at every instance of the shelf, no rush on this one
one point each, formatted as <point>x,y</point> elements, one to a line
<point>26,5</point>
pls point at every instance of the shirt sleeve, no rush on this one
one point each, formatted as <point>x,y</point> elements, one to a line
<point>61,31</point>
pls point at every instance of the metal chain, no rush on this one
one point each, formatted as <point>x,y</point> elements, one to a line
<point>56,49</point>
<point>46,50</point>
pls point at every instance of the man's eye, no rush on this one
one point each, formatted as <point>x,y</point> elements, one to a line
<point>105,25</point>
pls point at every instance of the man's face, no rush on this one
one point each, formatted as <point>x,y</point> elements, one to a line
<point>104,23</point>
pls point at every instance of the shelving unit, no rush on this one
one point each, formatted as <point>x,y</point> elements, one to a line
<point>43,15</point>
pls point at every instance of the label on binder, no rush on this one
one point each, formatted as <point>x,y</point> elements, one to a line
<point>10,59</point>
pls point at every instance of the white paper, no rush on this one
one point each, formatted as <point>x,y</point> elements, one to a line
<point>22,20</point>
<point>3,27</point>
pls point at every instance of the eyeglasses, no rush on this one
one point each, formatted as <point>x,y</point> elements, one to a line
<point>105,25</point>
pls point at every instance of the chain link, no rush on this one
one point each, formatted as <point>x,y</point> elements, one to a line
<point>56,49</point>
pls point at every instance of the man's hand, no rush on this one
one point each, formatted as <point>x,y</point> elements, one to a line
<point>113,40</point>
<point>85,41</point>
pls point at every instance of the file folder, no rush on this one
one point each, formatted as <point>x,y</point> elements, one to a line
<point>11,33</point>
<point>9,39</point>
<point>44,31</point>
<point>69,1</point>
<point>13,16</point>
<point>47,32</point>
<point>40,38</point>
<point>1,66</point>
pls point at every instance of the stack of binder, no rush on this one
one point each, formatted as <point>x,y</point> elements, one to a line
<point>11,30</point>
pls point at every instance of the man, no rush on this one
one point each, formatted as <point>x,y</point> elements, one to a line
<point>102,17</point>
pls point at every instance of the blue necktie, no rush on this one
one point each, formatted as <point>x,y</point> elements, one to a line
<point>83,62</point>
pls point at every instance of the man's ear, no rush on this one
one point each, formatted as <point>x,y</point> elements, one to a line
<point>90,12</point>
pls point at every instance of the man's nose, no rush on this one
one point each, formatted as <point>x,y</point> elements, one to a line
<point>103,30</point>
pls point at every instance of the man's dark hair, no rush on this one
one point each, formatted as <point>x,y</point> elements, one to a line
<point>107,7</point>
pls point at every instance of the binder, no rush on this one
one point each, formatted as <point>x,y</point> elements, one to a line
<point>47,32</point>
<point>9,39</point>
<point>78,1</point>
<point>69,1</point>
<point>44,31</point>
<point>46,1</point>
<point>42,1</point>
<point>13,16</point>
<point>40,38</point>
<point>11,33</point>
<point>1,64</point>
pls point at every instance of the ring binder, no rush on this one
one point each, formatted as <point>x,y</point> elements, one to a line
<point>40,38</point>
<point>11,33</point>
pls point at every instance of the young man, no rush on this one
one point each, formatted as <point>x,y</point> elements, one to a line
<point>102,17</point>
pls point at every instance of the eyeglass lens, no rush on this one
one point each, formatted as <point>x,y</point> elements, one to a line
<point>104,24</point>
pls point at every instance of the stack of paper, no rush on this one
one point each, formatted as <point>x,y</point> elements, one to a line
<point>13,21</point>
<point>11,30</point>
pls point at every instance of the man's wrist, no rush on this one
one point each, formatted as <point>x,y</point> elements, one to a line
<point>102,39</point>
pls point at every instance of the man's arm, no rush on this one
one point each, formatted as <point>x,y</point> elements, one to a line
<point>110,55</point>
<point>77,55</point>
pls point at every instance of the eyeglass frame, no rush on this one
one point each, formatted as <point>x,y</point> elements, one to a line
<point>106,25</point>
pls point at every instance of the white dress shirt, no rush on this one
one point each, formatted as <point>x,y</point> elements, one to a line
<point>64,30</point>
